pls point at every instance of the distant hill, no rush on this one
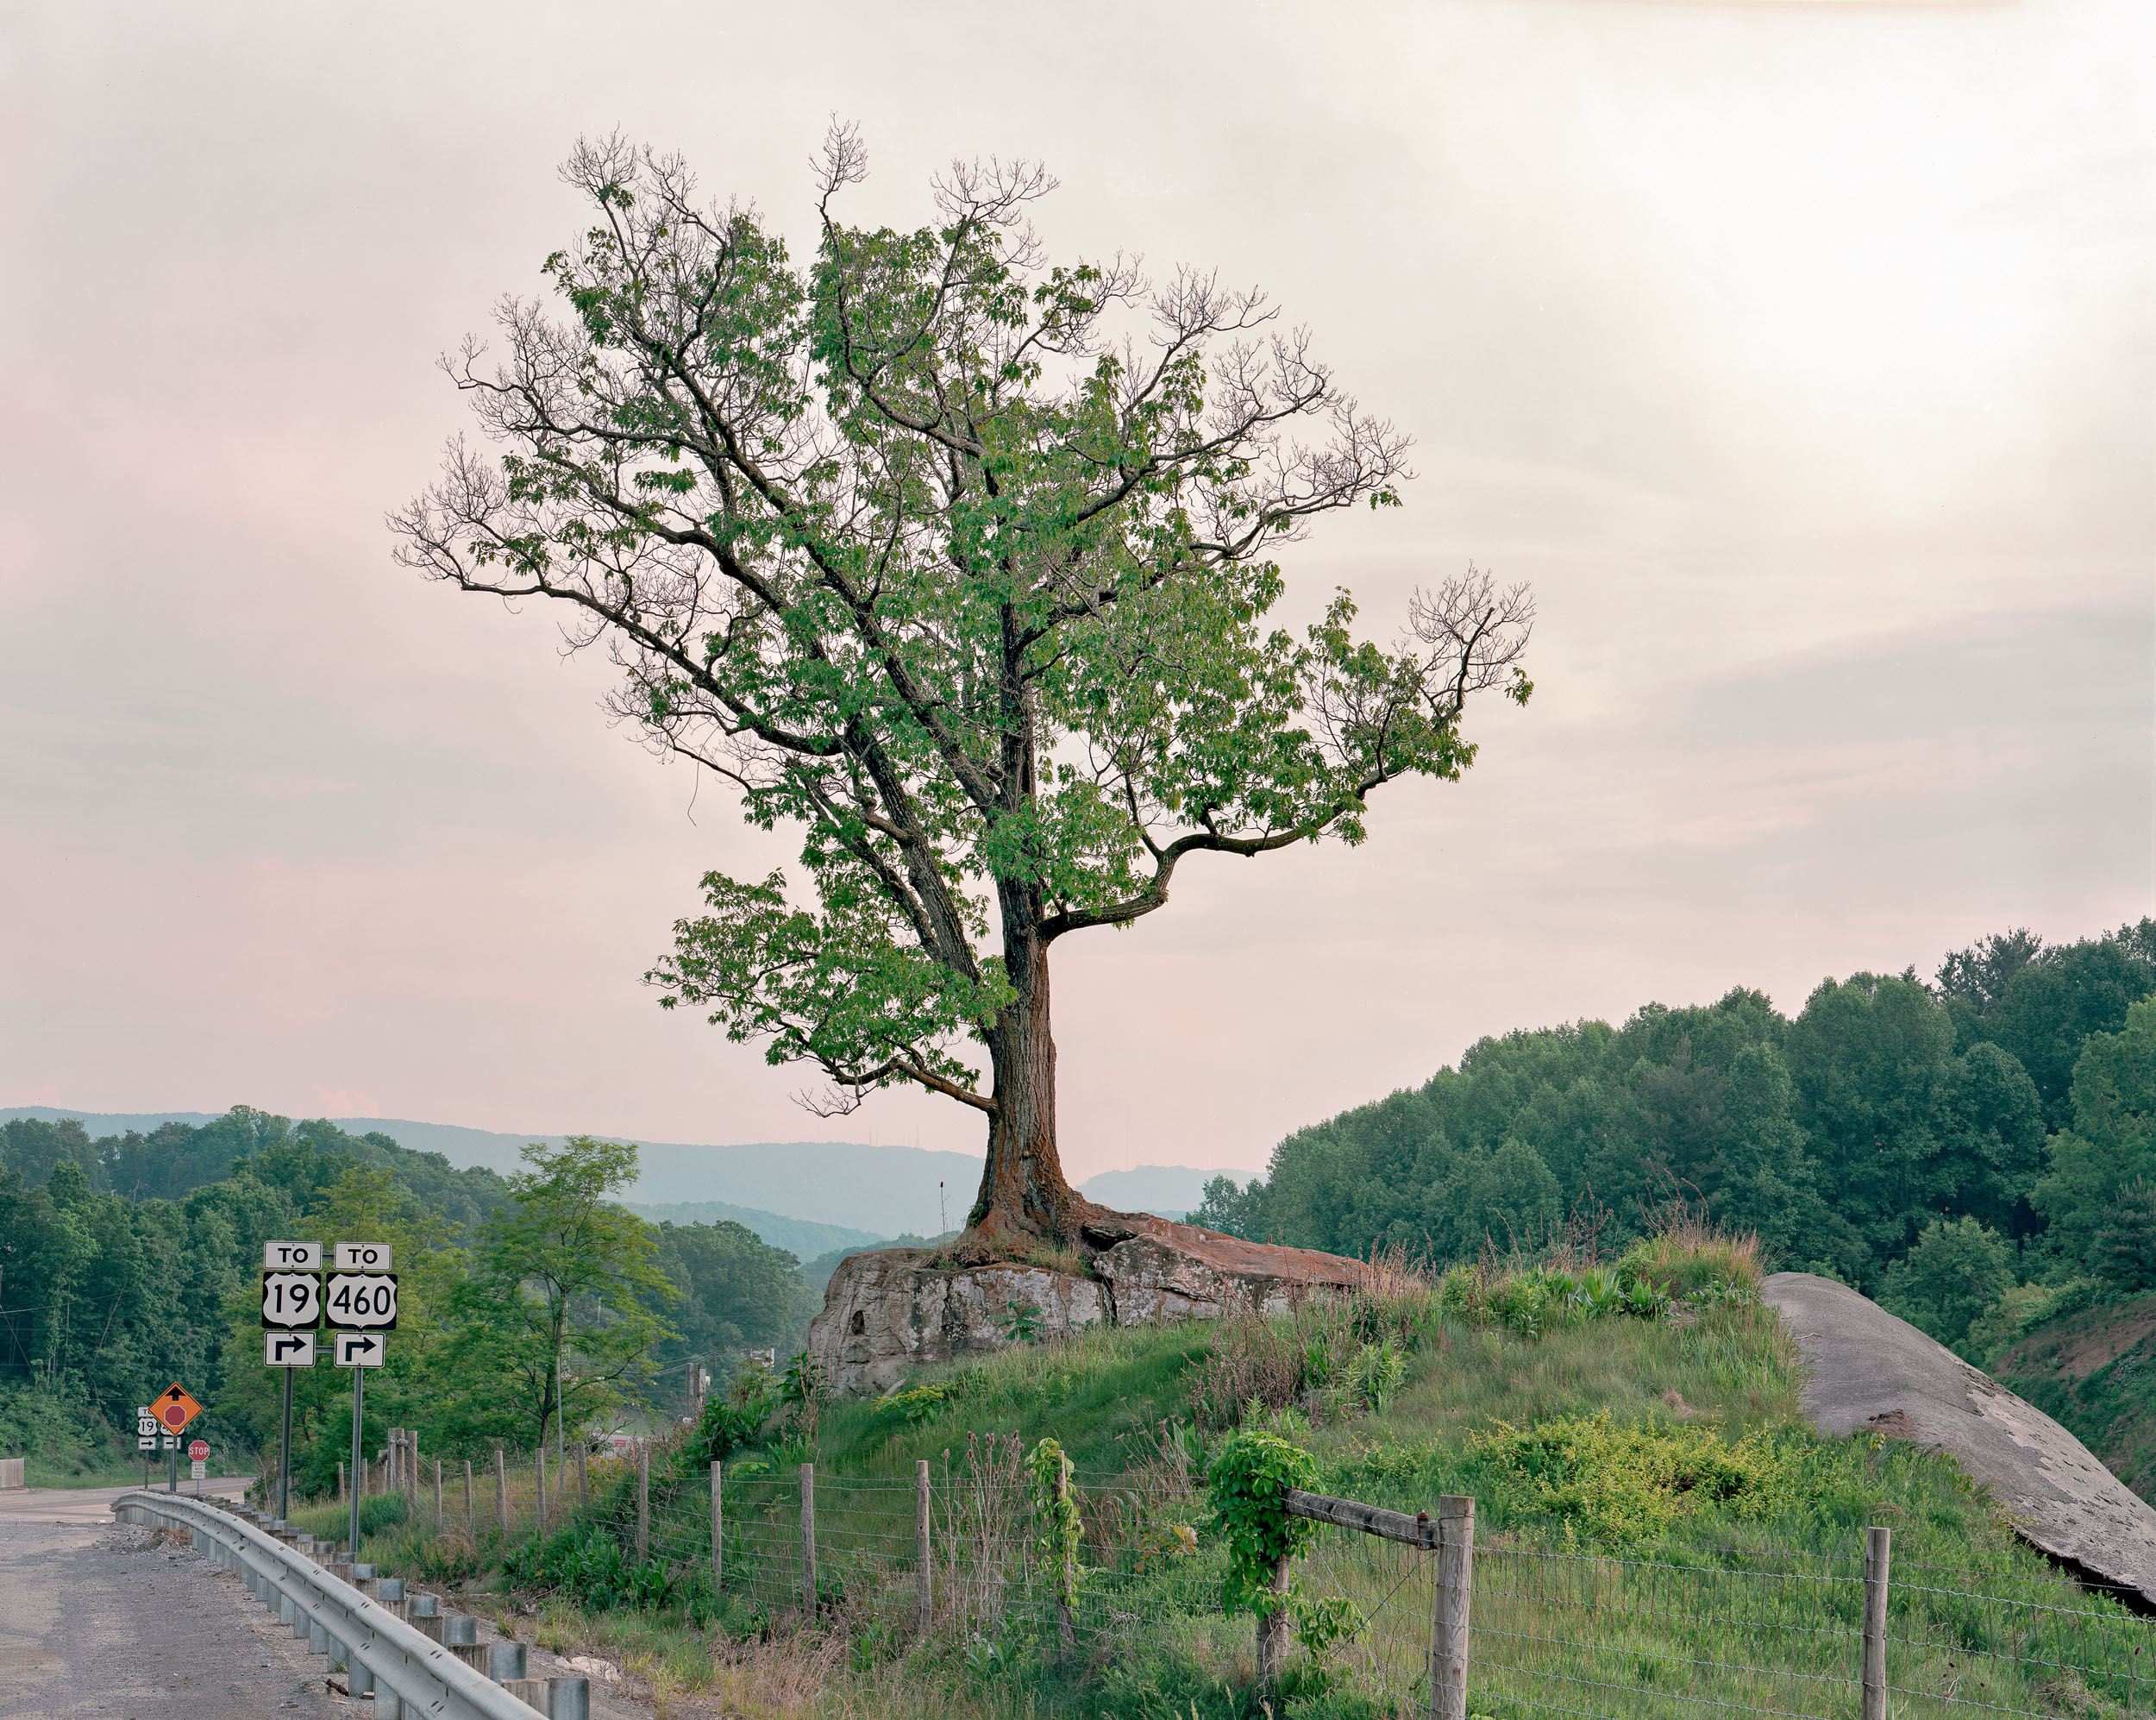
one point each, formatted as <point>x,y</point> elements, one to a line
<point>867,1192</point>
<point>1165,1190</point>
<point>803,1238</point>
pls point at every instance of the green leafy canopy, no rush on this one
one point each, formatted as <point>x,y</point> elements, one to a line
<point>956,559</point>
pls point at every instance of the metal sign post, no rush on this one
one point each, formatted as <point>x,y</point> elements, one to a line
<point>360,1302</point>
<point>284,1454</point>
<point>291,1309</point>
<point>358,1400</point>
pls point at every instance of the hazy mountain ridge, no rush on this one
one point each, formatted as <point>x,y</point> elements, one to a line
<point>867,1192</point>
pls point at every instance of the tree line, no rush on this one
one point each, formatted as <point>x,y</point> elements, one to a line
<point>1976,1150</point>
<point>131,1261</point>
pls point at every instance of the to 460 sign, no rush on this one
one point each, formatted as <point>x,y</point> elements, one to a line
<point>362,1302</point>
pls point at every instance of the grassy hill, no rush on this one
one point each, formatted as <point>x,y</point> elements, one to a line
<point>1636,1427</point>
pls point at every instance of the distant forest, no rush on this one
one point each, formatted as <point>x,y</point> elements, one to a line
<point>129,1262</point>
<point>1977,1151</point>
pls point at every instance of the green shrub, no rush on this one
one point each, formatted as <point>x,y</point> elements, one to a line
<point>1629,1481</point>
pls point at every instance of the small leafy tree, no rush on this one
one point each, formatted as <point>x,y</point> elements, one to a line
<point>562,1270</point>
<point>957,561</point>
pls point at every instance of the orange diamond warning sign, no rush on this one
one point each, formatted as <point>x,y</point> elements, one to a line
<point>174,1409</point>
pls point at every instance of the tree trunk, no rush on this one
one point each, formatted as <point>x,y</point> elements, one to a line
<point>1024,1199</point>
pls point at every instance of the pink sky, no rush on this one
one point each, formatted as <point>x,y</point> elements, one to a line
<point>1801,356</point>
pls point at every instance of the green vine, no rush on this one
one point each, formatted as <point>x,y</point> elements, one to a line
<point>1248,1482</point>
<point>1062,1532</point>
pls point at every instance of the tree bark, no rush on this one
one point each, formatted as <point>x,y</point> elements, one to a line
<point>1024,1199</point>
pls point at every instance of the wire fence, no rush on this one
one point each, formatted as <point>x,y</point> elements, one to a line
<point>1548,1630</point>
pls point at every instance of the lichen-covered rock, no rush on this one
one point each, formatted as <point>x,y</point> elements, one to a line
<point>1193,1274</point>
<point>889,1311</point>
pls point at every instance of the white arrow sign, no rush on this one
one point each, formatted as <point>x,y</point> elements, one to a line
<point>361,1350</point>
<point>288,1349</point>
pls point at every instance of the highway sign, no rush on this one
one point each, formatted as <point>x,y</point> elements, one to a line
<point>146,1442</point>
<point>288,1349</point>
<point>174,1409</point>
<point>362,1302</point>
<point>291,1256</point>
<point>362,1257</point>
<point>198,1450</point>
<point>291,1302</point>
<point>361,1350</point>
<point>145,1423</point>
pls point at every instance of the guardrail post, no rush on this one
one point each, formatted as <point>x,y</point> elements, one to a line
<point>924,1571</point>
<point>501,1488</point>
<point>718,1525</point>
<point>1878,1554</point>
<point>644,1501</point>
<point>808,1539</point>
<point>1449,1625</point>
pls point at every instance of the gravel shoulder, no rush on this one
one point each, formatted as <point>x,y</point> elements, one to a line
<point>120,1621</point>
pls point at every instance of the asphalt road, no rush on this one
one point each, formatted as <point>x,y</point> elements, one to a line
<point>105,1620</point>
<point>121,1622</point>
<point>94,1504</point>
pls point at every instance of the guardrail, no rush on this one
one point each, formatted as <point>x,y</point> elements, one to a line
<point>408,1671</point>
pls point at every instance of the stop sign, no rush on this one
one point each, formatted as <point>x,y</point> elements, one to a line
<point>199,1450</point>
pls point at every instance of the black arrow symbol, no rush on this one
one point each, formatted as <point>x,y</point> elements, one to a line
<point>358,1347</point>
<point>290,1346</point>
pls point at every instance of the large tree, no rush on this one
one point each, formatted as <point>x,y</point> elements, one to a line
<point>959,561</point>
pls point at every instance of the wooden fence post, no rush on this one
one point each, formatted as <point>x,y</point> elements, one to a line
<point>583,1482</point>
<point>1449,1623</point>
<point>924,1571</point>
<point>808,1539</point>
<point>644,1501</point>
<point>1066,1627</point>
<point>718,1525</point>
<point>1272,1630</point>
<point>501,1488</point>
<point>471,1528</point>
<point>539,1480</point>
<point>1878,1553</point>
<point>437,1493</point>
<point>412,1473</point>
<point>339,1482</point>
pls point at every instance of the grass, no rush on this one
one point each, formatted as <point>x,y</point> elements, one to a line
<point>1653,1512</point>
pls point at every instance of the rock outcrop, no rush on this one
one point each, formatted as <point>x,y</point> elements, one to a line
<point>1872,1372</point>
<point>890,1311</point>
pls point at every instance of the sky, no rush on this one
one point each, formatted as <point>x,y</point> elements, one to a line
<point>1801,356</point>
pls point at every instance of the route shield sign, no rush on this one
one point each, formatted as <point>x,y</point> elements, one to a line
<point>361,1350</point>
<point>362,1257</point>
<point>291,1302</point>
<point>145,1429</point>
<point>174,1409</point>
<point>291,1256</point>
<point>362,1302</point>
<point>288,1349</point>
